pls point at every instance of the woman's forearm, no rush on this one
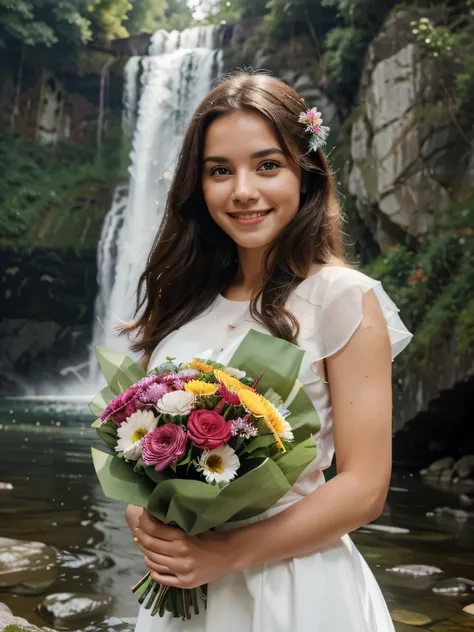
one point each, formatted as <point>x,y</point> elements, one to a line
<point>332,510</point>
<point>132,514</point>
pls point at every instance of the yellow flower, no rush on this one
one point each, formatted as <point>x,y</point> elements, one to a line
<point>253,402</point>
<point>200,388</point>
<point>230,382</point>
<point>200,366</point>
<point>261,407</point>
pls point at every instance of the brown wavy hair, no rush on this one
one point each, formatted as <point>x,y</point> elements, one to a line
<point>193,260</point>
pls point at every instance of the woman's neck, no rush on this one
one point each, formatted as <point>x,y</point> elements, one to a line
<point>249,277</point>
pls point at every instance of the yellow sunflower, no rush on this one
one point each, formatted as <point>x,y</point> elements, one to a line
<point>200,366</point>
<point>200,388</point>
<point>234,385</point>
<point>259,406</point>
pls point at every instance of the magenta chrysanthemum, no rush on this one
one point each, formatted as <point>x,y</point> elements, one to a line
<point>122,406</point>
<point>153,393</point>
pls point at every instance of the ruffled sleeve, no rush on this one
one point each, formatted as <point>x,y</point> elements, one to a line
<point>329,307</point>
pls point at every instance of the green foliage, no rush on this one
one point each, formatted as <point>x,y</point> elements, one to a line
<point>220,11</point>
<point>448,37</point>
<point>41,22</point>
<point>439,40</point>
<point>17,22</point>
<point>106,17</point>
<point>36,22</point>
<point>466,328</point>
<point>77,22</point>
<point>434,287</point>
<point>345,50</point>
<point>358,23</point>
<point>178,15</point>
<point>146,16</point>
<point>53,196</point>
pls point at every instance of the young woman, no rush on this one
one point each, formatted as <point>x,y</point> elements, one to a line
<point>252,239</point>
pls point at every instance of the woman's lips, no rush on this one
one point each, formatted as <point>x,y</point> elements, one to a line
<point>251,221</point>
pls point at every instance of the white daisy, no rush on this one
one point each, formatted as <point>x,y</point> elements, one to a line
<point>234,372</point>
<point>219,465</point>
<point>132,431</point>
<point>176,403</point>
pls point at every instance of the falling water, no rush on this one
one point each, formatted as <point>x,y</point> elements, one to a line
<point>161,92</point>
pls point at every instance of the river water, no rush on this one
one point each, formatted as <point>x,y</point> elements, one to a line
<point>55,499</point>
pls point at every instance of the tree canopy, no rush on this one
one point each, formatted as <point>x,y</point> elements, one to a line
<point>49,23</point>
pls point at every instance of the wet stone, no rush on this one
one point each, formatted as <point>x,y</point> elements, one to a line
<point>410,618</point>
<point>454,587</point>
<point>68,608</point>
<point>469,609</point>
<point>381,528</point>
<point>113,624</point>
<point>415,570</point>
<point>26,567</point>
<point>458,514</point>
<point>91,561</point>
<point>10,623</point>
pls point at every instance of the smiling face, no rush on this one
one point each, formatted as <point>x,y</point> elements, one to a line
<point>251,188</point>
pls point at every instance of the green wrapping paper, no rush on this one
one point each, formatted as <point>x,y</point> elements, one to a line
<point>197,506</point>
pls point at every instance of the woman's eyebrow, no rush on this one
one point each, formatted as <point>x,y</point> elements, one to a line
<point>258,154</point>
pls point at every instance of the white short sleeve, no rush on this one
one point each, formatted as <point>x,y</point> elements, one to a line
<point>328,306</point>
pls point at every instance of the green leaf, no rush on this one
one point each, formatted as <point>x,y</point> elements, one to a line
<point>253,354</point>
<point>119,370</point>
<point>107,432</point>
<point>303,418</point>
<point>274,398</point>
<point>188,457</point>
<point>100,401</point>
<point>119,481</point>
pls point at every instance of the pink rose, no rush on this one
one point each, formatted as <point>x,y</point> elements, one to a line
<point>164,445</point>
<point>208,430</point>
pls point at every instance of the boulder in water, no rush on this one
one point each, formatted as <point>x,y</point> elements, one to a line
<point>10,623</point>
<point>26,567</point>
<point>415,570</point>
<point>66,609</point>
<point>454,587</point>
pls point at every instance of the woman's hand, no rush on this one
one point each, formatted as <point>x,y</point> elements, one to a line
<point>176,559</point>
<point>132,514</point>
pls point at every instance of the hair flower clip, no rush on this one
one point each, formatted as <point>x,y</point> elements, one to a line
<point>319,132</point>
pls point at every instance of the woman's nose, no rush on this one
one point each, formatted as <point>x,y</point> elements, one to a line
<point>244,189</point>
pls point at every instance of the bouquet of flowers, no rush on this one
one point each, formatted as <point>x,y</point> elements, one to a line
<point>200,443</point>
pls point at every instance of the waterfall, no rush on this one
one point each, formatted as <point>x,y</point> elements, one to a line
<point>161,92</point>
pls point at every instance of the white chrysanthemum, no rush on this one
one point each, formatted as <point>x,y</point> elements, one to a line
<point>234,372</point>
<point>176,403</point>
<point>219,465</point>
<point>132,431</point>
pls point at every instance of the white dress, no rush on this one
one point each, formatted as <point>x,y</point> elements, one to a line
<point>332,590</point>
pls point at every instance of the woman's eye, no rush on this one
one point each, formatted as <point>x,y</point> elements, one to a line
<point>219,171</point>
<point>269,166</point>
